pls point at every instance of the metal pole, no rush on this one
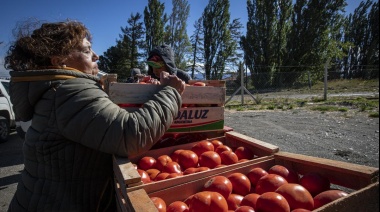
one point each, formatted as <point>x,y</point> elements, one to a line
<point>325,80</point>
<point>242,85</point>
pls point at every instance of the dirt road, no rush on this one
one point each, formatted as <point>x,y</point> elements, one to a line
<point>340,136</point>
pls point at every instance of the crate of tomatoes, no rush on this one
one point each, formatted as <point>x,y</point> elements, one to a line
<point>202,103</point>
<point>165,167</point>
<point>281,182</point>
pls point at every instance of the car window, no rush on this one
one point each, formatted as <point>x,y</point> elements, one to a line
<point>6,85</point>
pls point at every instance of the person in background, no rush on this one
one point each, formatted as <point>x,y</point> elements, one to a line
<point>135,76</point>
<point>76,129</point>
<point>161,58</point>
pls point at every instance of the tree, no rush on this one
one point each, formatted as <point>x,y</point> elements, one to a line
<point>154,19</point>
<point>115,60</point>
<point>134,33</point>
<point>176,31</point>
<point>197,46</point>
<point>217,37</point>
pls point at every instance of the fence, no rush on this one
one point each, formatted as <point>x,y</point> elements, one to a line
<point>302,84</point>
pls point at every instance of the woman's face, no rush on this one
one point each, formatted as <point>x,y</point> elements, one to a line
<point>83,59</point>
<point>157,71</point>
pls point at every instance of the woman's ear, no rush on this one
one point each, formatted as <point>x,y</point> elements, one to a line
<point>57,61</point>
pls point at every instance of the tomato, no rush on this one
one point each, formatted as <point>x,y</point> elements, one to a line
<point>240,183</point>
<point>144,176</point>
<point>146,163</point>
<point>289,174</point>
<point>216,143</point>
<point>244,153</point>
<point>208,201</point>
<point>187,159</point>
<point>250,200</point>
<point>202,146</point>
<point>269,182</point>
<point>297,196</point>
<point>199,84</point>
<point>327,197</point>
<point>177,206</point>
<point>272,202</point>
<point>159,203</point>
<point>255,174</point>
<point>244,209</point>
<point>228,157</point>
<point>300,210</point>
<point>201,169</point>
<point>220,184</point>
<point>233,201</point>
<point>188,200</point>
<point>242,160</point>
<point>190,170</point>
<point>161,176</point>
<point>222,148</point>
<point>172,167</point>
<point>173,175</point>
<point>153,173</point>
<point>162,161</point>
<point>175,154</point>
<point>210,159</point>
<point>315,183</point>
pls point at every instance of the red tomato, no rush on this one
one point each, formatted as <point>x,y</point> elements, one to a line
<point>172,167</point>
<point>190,170</point>
<point>188,200</point>
<point>240,183</point>
<point>177,206</point>
<point>208,201</point>
<point>210,159</point>
<point>250,200</point>
<point>162,161</point>
<point>272,202</point>
<point>269,183</point>
<point>202,146</point>
<point>242,160</point>
<point>153,173</point>
<point>220,184</point>
<point>175,154</point>
<point>244,209</point>
<point>297,196</point>
<point>201,169</point>
<point>315,183</point>
<point>199,84</point>
<point>228,157</point>
<point>300,210</point>
<point>244,153</point>
<point>146,163</point>
<point>187,159</point>
<point>233,201</point>
<point>173,175</point>
<point>290,175</point>
<point>222,148</point>
<point>159,203</point>
<point>255,174</point>
<point>144,176</point>
<point>327,197</point>
<point>161,176</point>
<point>216,143</point>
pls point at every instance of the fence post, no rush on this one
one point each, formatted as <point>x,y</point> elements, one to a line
<point>325,80</point>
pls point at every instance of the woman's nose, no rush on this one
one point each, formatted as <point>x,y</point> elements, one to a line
<point>95,57</point>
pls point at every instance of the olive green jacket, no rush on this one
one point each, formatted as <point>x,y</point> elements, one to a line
<point>75,131</point>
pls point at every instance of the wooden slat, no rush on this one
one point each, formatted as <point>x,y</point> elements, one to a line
<point>134,93</point>
<point>349,175</point>
<point>124,171</point>
<point>261,148</point>
<point>140,201</point>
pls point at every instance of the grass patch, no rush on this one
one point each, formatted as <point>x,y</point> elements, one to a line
<point>374,115</point>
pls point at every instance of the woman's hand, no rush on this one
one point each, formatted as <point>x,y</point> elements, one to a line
<point>173,81</point>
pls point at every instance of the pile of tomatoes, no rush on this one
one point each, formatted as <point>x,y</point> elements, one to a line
<point>203,155</point>
<point>278,189</point>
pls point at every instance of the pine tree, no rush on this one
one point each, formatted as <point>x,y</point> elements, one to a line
<point>154,19</point>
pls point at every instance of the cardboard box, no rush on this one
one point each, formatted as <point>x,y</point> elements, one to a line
<point>363,179</point>
<point>202,109</point>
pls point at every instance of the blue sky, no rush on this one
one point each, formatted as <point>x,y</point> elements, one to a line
<point>103,18</point>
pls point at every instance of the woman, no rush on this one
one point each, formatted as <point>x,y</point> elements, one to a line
<point>161,59</point>
<point>75,127</point>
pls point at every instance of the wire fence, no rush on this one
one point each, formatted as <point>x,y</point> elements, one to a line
<point>303,84</point>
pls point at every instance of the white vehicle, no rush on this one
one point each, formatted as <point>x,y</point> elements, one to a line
<point>7,116</point>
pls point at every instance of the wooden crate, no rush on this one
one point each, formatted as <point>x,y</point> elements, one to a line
<point>202,107</point>
<point>363,179</point>
<point>129,179</point>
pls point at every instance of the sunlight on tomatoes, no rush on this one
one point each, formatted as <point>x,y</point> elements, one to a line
<point>208,201</point>
<point>297,196</point>
<point>272,202</point>
<point>228,157</point>
<point>269,183</point>
<point>290,175</point>
<point>244,153</point>
<point>146,163</point>
<point>159,203</point>
<point>327,197</point>
<point>255,174</point>
<point>220,184</point>
<point>315,183</point>
<point>177,206</point>
<point>233,201</point>
<point>240,183</point>
<point>210,159</point>
<point>202,146</point>
<point>250,200</point>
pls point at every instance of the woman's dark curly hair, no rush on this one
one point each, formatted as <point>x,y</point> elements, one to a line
<point>34,50</point>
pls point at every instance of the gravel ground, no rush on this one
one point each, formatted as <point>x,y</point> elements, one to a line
<point>352,138</point>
